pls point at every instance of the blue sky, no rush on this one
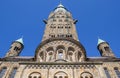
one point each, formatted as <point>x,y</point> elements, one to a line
<point>25,18</point>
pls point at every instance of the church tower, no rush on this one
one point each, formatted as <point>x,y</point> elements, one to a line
<point>60,24</point>
<point>60,54</point>
<point>60,40</point>
<point>104,49</point>
<point>16,48</point>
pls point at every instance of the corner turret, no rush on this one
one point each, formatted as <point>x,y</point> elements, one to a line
<point>15,49</point>
<point>104,48</point>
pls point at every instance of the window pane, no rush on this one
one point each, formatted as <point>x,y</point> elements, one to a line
<point>107,73</point>
<point>13,73</point>
<point>60,55</point>
<point>2,72</point>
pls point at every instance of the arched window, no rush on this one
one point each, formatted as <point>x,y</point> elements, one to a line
<point>70,53</point>
<point>107,72</point>
<point>55,76</point>
<point>30,77</point>
<point>35,75</point>
<point>86,75</point>
<point>16,48</point>
<point>79,54</point>
<point>13,73</point>
<point>2,72</point>
<point>60,52</point>
<point>49,53</point>
<point>60,75</point>
<point>117,72</point>
<point>41,55</point>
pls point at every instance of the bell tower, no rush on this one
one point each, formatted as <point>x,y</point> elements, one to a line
<point>16,48</point>
<point>60,41</point>
<point>104,49</point>
<point>60,24</point>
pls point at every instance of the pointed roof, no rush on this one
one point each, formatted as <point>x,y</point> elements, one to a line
<point>100,41</point>
<point>20,40</point>
<point>60,7</point>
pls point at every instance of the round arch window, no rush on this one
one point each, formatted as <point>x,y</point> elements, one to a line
<point>35,75</point>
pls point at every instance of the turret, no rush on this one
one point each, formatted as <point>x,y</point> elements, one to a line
<point>104,49</point>
<point>15,48</point>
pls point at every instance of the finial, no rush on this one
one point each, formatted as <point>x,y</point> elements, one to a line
<point>60,2</point>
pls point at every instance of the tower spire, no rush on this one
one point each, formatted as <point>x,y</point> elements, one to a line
<point>20,40</point>
<point>100,41</point>
<point>60,24</point>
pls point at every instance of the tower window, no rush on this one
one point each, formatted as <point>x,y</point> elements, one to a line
<point>54,20</point>
<point>107,73</point>
<point>16,48</point>
<point>117,72</point>
<point>13,73</point>
<point>2,72</point>
<point>106,48</point>
<point>60,55</point>
<point>60,20</point>
<point>66,20</point>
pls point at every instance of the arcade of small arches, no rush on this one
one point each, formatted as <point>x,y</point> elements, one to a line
<point>60,52</point>
<point>60,74</point>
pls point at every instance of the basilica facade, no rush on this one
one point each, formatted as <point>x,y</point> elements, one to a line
<point>60,54</point>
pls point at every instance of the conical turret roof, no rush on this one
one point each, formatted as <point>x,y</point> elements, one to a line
<point>20,40</point>
<point>60,7</point>
<point>100,41</point>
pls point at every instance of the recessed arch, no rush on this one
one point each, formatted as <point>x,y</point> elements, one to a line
<point>49,49</point>
<point>70,53</point>
<point>79,54</point>
<point>60,74</point>
<point>41,55</point>
<point>34,75</point>
<point>71,49</point>
<point>60,47</point>
<point>86,75</point>
<point>49,54</point>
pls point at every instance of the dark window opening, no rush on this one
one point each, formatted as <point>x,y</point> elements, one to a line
<point>13,73</point>
<point>55,76</point>
<point>30,77</point>
<point>60,77</point>
<point>60,20</point>
<point>107,48</point>
<point>107,73</point>
<point>2,72</point>
<point>117,72</point>
<point>60,55</point>
<point>66,76</point>
<point>16,48</point>
<point>39,77</point>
